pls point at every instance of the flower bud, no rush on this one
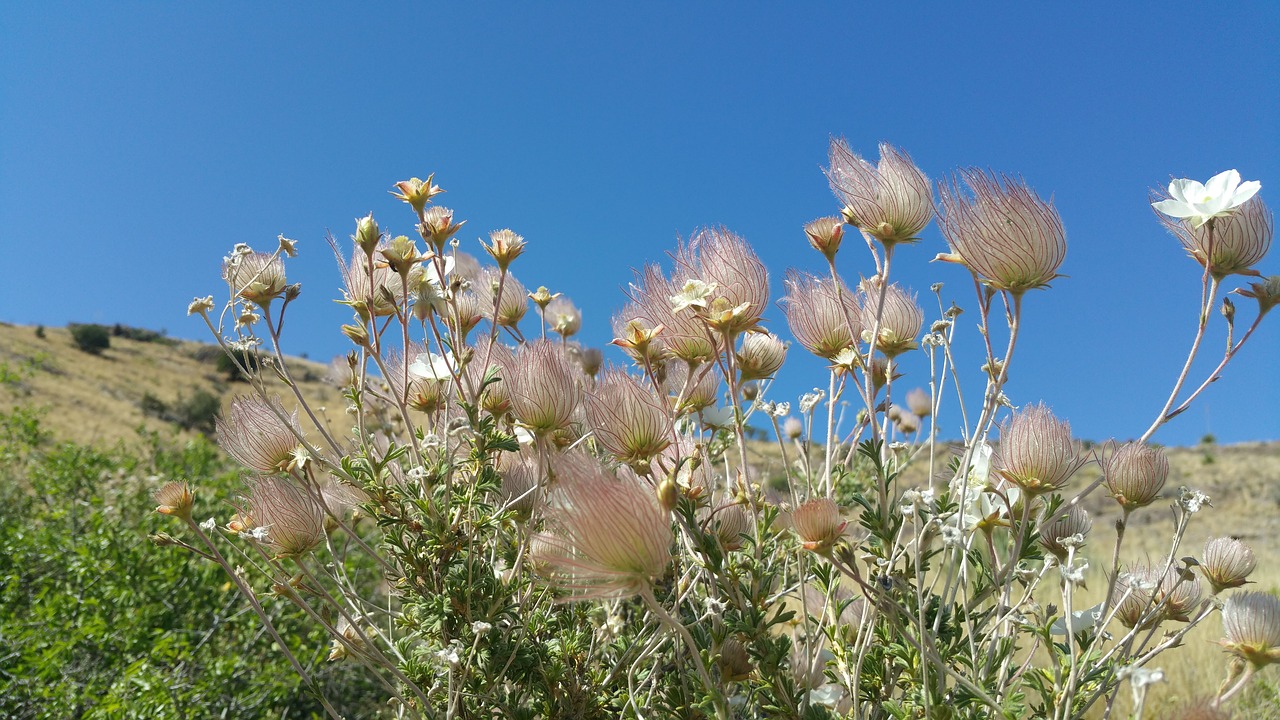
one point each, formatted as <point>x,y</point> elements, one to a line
<point>438,226</point>
<point>174,498</point>
<point>825,235</point>
<point>504,246</point>
<point>417,192</point>
<point>1266,292</point>
<point>368,235</point>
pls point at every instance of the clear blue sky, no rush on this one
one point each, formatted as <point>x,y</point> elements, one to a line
<point>139,142</point>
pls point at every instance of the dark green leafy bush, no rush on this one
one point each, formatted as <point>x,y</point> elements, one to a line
<point>92,339</point>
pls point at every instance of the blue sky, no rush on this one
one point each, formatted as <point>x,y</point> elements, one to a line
<point>139,142</point>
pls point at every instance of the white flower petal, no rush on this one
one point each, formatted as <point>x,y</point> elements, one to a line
<point>1222,184</point>
<point>1244,192</point>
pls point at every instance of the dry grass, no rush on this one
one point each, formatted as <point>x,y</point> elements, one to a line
<point>97,399</point>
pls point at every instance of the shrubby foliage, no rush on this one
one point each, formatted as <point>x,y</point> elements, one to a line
<point>92,339</point>
<point>93,624</point>
<point>562,539</point>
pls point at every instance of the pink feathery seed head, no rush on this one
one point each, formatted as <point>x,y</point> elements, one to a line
<point>793,428</point>
<point>1135,592</point>
<point>1227,563</point>
<point>1052,534</point>
<point>629,419</point>
<point>900,317</point>
<point>818,524</point>
<point>293,520</point>
<point>563,317</point>
<point>1251,624</point>
<point>825,235</point>
<point>545,390</point>
<point>891,201</point>
<point>919,402</point>
<point>496,399</point>
<point>1036,451</point>
<point>907,423</point>
<point>420,393</point>
<point>377,293</point>
<point>1239,240</point>
<point>820,313</point>
<point>606,537</point>
<point>725,260</point>
<point>253,433</point>
<point>467,312</point>
<point>590,360</point>
<point>1001,230</point>
<point>760,355</point>
<point>1135,473</point>
<point>508,310</point>
<point>521,483</point>
<point>683,335</point>
<point>700,385</point>
<point>255,276</point>
<point>1180,594</point>
<point>729,525</point>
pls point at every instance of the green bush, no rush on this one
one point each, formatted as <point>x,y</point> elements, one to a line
<point>92,339</point>
<point>95,622</point>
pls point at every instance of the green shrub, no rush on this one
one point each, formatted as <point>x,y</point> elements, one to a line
<point>92,339</point>
<point>95,622</point>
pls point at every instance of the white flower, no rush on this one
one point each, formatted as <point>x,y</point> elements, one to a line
<point>1081,620</point>
<point>209,525</point>
<point>809,400</point>
<point>523,436</point>
<point>1192,500</point>
<point>717,416</point>
<point>480,627</point>
<point>430,366</point>
<point>694,294</point>
<point>1074,575</point>
<point>449,655</point>
<point>1198,203</point>
<point>259,534</point>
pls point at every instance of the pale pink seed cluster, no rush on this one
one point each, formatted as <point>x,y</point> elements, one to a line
<point>822,317</point>
<point>257,277</point>
<point>740,280</point>
<point>379,292</point>
<point>891,201</point>
<point>606,537</point>
<point>919,402</point>
<point>1135,474</point>
<point>630,421</point>
<point>508,309</point>
<point>1251,624</point>
<point>900,317</point>
<point>563,317</point>
<point>1231,244</point>
<point>1001,231</point>
<point>818,524</point>
<point>1076,521</point>
<point>760,355</point>
<point>174,498</point>
<point>825,235</point>
<point>293,520</point>
<point>682,334</point>
<point>253,433</point>
<point>1227,563</point>
<point>545,393</point>
<point>1036,451</point>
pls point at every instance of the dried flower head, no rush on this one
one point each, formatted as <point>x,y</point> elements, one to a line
<point>1265,291</point>
<point>999,229</point>
<point>760,355</point>
<point>1135,474</point>
<point>378,292</point>
<point>254,433</point>
<point>919,402</point>
<point>730,524</point>
<point>899,317</point>
<point>255,276</point>
<point>630,421</point>
<point>825,234</point>
<point>683,335</point>
<point>823,318</point>
<point>590,360</point>
<point>496,399</point>
<point>1135,592</point>
<point>545,390</point>
<point>174,498</point>
<point>1251,623</point>
<point>563,317</point>
<point>734,662</point>
<point>1036,451</point>
<point>1179,594</point>
<point>740,282</point>
<point>818,524</point>
<point>907,423</point>
<point>696,387</point>
<point>1231,244</point>
<point>605,538</point>
<point>892,201</point>
<point>1227,563</point>
<point>1075,522</point>
<point>291,517</point>
<point>508,309</point>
